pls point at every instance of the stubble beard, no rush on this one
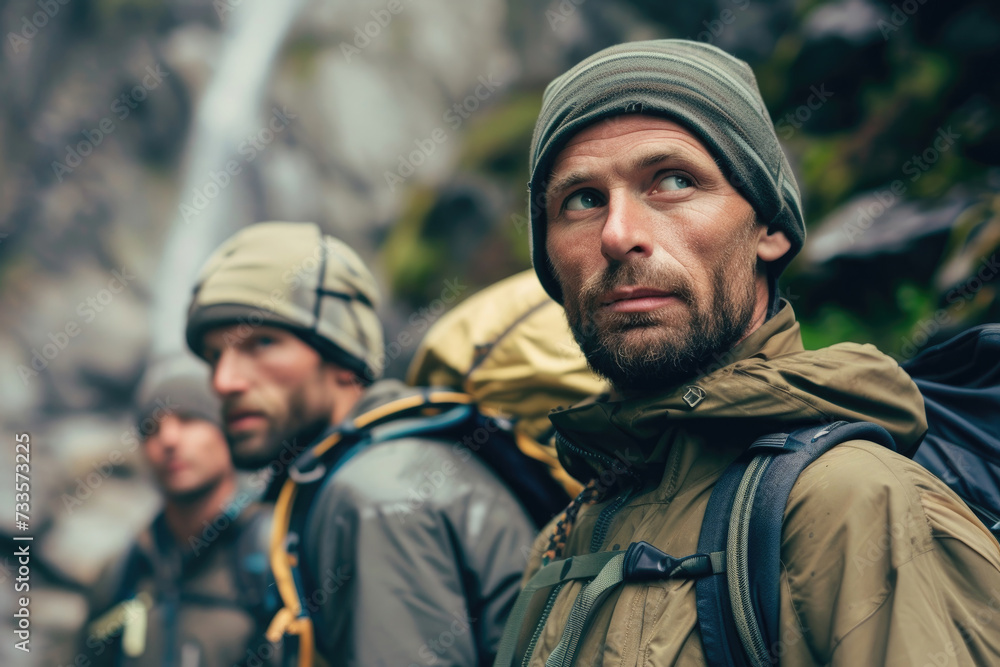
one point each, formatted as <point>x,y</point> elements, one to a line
<point>190,496</point>
<point>302,426</point>
<point>641,353</point>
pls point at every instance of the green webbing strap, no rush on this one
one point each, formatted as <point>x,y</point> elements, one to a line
<point>640,562</point>
<point>575,567</point>
<point>610,576</point>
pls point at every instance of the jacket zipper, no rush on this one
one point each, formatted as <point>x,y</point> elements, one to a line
<point>601,527</point>
<point>605,518</point>
<point>540,624</point>
<point>610,510</point>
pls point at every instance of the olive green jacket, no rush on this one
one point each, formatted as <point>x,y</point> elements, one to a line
<point>881,563</point>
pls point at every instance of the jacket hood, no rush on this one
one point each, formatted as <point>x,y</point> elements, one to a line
<point>768,383</point>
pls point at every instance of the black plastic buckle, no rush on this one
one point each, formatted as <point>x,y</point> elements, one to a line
<point>644,562</point>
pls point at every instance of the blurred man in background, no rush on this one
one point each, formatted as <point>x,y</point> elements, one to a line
<point>191,591</point>
<point>405,552</point>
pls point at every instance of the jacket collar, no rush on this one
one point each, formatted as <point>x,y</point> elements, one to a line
<point>631,432</point>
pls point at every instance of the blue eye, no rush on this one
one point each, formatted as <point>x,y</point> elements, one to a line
<point>583,200</point>
<point>674,182</point>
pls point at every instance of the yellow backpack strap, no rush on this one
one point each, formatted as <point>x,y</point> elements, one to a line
<point>292,619</point>
<point>547,455</point>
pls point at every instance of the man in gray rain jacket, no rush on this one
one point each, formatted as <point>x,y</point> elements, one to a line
<point>412,550</point>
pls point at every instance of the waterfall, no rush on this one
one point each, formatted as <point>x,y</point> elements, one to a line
<point>229,112</point>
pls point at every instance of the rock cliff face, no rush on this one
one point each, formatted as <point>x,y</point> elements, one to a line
<point>137,135</point>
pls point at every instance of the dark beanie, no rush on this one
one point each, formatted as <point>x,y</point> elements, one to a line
<point>699,86</point>
<point>177,386</point>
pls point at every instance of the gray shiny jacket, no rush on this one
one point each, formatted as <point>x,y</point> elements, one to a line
<point>414,550</point>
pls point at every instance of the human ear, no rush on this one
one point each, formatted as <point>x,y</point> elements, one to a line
<point>772,244</point>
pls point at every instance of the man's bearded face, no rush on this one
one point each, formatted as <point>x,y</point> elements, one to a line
<point>655,252</point>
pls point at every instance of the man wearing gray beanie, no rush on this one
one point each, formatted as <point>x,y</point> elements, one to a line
<point>662,213</point>
<point>192,588</point>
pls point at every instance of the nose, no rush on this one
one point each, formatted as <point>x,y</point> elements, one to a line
<point>227,377</point>
<point>169,432</point>
<point>627,233</point>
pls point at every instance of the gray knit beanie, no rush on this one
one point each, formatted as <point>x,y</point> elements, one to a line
<point>176,386</point>
<point>711,93</point>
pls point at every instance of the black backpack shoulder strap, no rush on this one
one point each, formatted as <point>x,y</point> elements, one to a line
<point>258,593</point>
<point>738,612</point>
<point>129,570</point>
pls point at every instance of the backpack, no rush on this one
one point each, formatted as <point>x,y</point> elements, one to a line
<point>444,415</point>
<point>510,348</point>
<point>737,567</point>
<point>499,362</point>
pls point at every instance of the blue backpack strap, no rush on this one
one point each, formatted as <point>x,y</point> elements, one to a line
<point>739,616</point>
<point>258,593</point>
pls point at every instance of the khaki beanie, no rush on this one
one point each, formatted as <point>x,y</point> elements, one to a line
<point>291,275</point>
